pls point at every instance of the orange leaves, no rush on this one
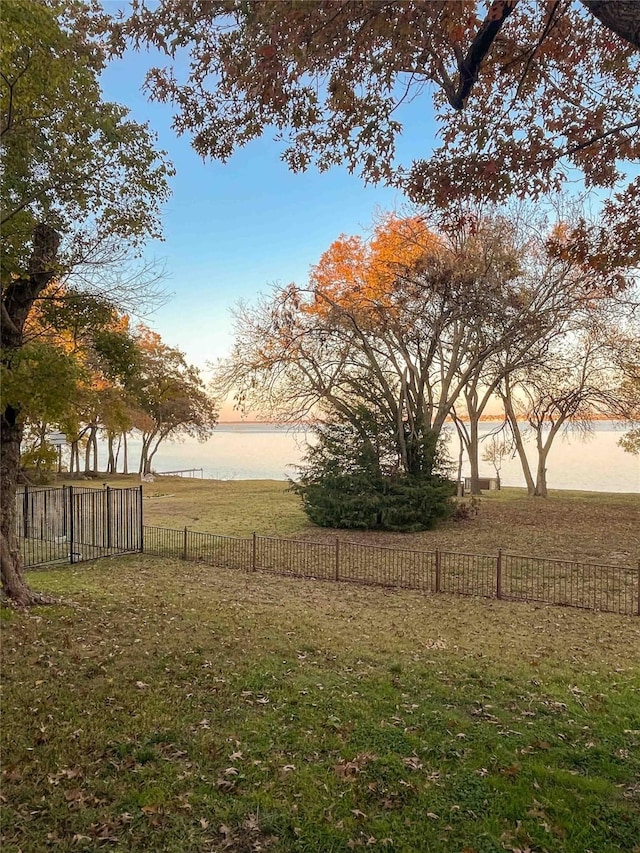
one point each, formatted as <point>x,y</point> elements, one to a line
<point>355,274</point>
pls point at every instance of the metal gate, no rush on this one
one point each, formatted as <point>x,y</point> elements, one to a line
<point>70,523</point>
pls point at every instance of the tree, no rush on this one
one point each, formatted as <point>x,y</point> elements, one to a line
<point>553,286</point>
<point>43,383</point>
<point>630,393</point>
<point>630,441</point>
<point>93,336</point>
<point>350,478</point>
<point>78,175</point>
<point>170,398</point>
<point>580,379</point>
<point>396,325</point>
<point>524,93</point>
<point>495,451</point>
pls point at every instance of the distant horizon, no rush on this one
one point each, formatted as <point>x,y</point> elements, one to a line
<point>309,421</point>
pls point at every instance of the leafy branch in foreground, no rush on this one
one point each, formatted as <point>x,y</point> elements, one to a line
<point>524,94</point>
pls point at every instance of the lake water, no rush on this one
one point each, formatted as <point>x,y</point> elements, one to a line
<point>252,451</point>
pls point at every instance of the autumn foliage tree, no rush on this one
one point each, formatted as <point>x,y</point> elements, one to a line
<point>67,363</point>
<point>394,326</point>
<point>170,397</point>
<point>525,93</point>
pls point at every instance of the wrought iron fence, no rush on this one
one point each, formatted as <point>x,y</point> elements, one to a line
<point>614,589</point>
<point>209,548</point>
<point>69,524</point>
<point>72,523</point>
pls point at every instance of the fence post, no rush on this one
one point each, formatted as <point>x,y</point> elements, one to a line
<point>254,551</point>
<point>141,514</point>
<point>438,571</point>
<point>337,559</point>
<point>638,610</point>
<point>71,524</point>
<point>107,493</point>
<point>184,543</point>
<point>499,574</point>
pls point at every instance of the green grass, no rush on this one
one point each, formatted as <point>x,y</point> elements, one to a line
<point>231,508</point>
<point>172,707</point>
<point>588,526</point>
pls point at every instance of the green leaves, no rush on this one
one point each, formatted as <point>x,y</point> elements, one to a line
<point>41,381</point>
<point>352,479</point>
<point>70,159</point>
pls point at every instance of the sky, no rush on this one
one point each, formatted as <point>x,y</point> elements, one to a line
<point>233,230</point>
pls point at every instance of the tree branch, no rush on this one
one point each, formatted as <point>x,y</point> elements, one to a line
<point>469,68</point>
<point>620,16</point>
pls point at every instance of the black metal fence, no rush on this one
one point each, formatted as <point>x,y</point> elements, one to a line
<point>614,589</point>
<point>71,523</point>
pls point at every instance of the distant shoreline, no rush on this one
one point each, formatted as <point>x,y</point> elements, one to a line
<point>310,423</point>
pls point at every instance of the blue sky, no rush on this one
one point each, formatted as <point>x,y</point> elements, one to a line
<point>234,229</point>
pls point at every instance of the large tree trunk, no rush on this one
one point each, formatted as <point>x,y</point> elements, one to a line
<point>87,455</point>
<point>473,452</point>
<point>541,490</point>
<point>145,465</point>
<point>94,450</point>
<point>459,482</point>
<point>541,467</point>
<point>543,454</point>
<point>17,302</point>
<point>13,582</point>
<point>151,452</point>
<point>621,16</point>
<point>111,455</point>
<point>74,457</point>
<point>91,450</point>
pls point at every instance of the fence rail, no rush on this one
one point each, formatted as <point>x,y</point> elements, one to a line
<point>72,523</point>
<point>613,589</point>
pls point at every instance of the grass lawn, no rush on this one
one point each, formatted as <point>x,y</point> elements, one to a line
<point>167,706</point>
<point>590,526</point>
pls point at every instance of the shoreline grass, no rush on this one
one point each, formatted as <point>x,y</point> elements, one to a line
<point>176,707</point>
<point>588,526</point>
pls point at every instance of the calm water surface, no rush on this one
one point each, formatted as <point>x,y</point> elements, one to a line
<point>264,451</point>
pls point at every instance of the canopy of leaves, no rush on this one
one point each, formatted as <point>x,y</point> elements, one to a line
<point>70,160</point>
<point>524,93</point>
<point>77,361</point>
<point>42,383</point>
<point>170,395</point>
